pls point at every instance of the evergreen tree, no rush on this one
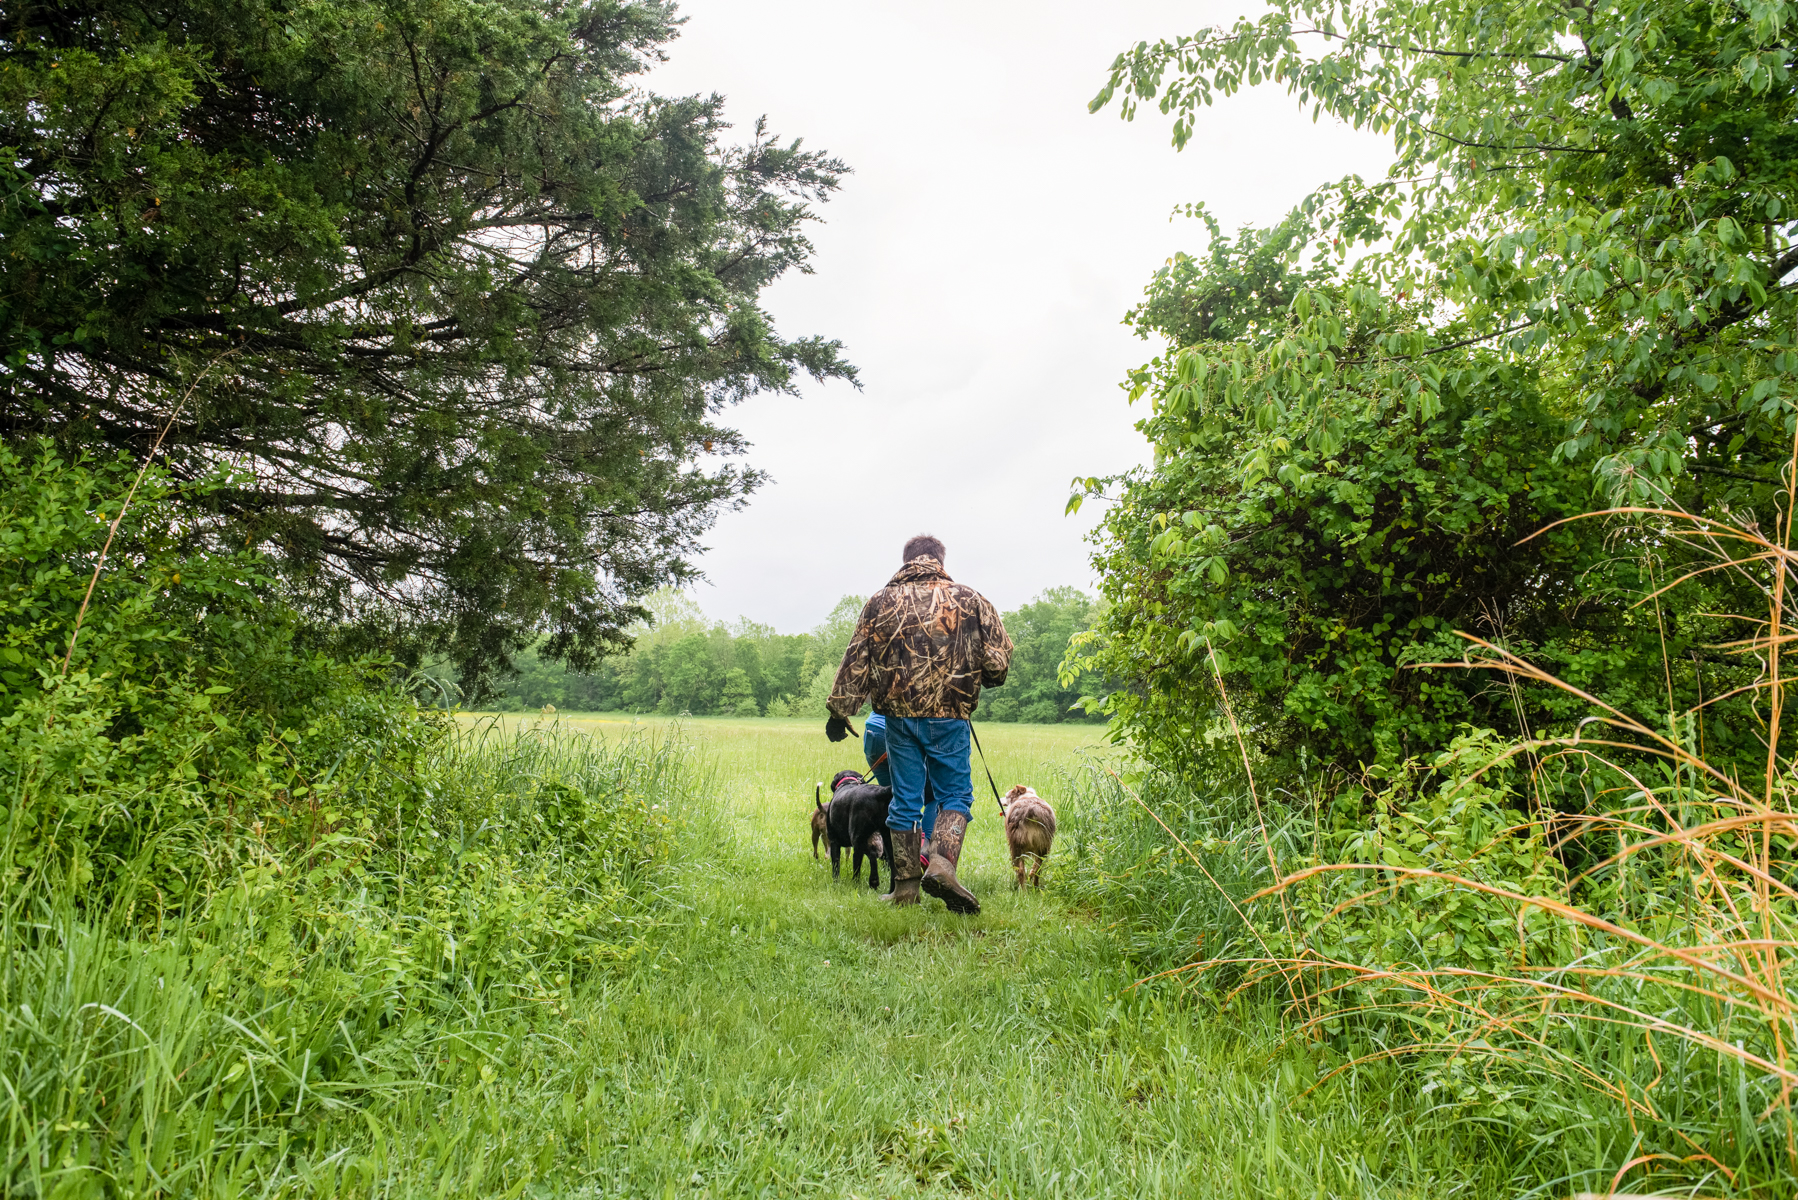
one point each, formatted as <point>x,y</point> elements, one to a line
<point>460,305</point>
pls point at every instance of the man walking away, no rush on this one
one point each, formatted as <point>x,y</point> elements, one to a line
<point>923,648</point>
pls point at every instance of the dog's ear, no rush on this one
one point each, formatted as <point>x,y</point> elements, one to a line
<point>1017,790</point>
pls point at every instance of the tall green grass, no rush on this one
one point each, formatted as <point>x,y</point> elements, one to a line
<point>1182,880</point>
<point>707,1013</point>
<point>1163,861</point>
<point>335,1017</point>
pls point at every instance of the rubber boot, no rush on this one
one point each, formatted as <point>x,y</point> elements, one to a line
<point>905,866</point>
<point>945,852</point>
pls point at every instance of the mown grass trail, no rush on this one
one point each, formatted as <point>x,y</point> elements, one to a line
<point>788,1036</point>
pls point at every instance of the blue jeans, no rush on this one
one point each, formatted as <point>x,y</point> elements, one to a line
<point>928,753</point>
<point>874,746</point>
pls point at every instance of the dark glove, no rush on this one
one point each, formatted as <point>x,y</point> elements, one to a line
<point>837,728</point>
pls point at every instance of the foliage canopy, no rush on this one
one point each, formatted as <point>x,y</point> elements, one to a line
<point>1607,187</point>
<point>459,305</point>
<point>1572,287</point>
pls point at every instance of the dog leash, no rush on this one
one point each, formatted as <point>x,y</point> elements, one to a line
<point>984,767</point>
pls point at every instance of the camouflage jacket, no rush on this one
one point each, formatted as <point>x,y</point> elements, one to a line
<point>924,647</point>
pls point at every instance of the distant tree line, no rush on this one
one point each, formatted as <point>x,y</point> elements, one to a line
<point>683,663</point>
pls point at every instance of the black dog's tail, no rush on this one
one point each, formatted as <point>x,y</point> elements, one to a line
<point>818,794</point>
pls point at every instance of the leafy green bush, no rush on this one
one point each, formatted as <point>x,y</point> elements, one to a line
<point>1176,868</point>
<point>1318,559</point>
<point>1467,826</point>
<point>175,702</point>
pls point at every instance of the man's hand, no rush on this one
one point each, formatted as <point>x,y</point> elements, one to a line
<point>837,728</point>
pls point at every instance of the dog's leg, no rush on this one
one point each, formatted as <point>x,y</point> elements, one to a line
<point>836,861</point>
<point>1017,866</point>
<point>855,870</point>
<point>873,873</point>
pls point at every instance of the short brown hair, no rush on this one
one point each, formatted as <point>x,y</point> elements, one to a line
<point>924,545</point>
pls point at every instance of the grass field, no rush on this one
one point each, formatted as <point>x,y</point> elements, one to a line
<point>794,1037</point>
<point>599,959</point>
<point>766,767</point>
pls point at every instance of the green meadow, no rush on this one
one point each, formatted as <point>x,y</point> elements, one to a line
<point>592,957</point>
<point>791,1036</point>
<point>766,766</point>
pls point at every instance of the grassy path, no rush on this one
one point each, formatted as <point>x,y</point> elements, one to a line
<point>794,1037</point>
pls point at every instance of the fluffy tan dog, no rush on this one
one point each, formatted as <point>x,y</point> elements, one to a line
<point>1029,831</point>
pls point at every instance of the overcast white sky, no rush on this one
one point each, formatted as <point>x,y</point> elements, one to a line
<point>976,265</point>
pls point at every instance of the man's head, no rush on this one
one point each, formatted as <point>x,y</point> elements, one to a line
<point>923,546</point>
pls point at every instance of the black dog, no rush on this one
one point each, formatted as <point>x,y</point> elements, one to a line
<point>856,820</point>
